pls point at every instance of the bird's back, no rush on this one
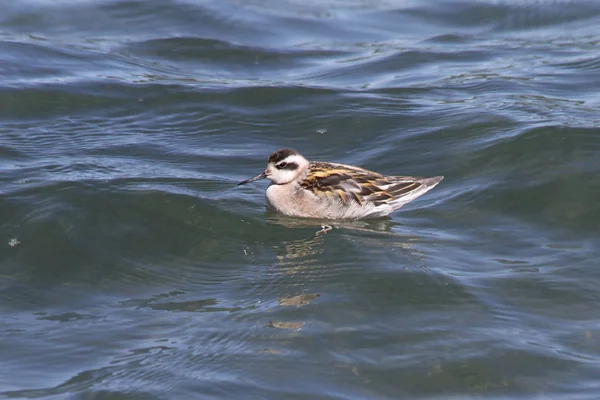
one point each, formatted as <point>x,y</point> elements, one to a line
<point>341,191</point>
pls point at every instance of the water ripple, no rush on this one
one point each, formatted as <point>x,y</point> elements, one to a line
<point>133,264</point>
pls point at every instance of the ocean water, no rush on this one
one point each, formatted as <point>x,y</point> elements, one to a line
<point>133,267</point>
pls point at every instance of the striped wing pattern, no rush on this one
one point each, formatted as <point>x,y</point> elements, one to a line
<point>351,184</point>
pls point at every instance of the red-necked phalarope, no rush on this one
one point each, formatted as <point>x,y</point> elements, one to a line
<point>313,189</point>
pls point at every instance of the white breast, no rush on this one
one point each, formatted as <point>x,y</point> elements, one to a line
<point>292,200</point>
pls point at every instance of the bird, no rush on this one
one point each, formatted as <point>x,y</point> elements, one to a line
<point>333,191</point>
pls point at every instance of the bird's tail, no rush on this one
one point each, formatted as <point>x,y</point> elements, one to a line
<point>418,187</point>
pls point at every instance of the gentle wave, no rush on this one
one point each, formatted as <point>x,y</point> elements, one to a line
<point>132,265</point>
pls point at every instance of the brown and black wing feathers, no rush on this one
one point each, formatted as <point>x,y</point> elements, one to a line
<point>404,187</point>
<point>344,183</point>
<point>351,184</point>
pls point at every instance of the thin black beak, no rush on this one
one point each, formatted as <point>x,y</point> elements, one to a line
<point>256,178</point>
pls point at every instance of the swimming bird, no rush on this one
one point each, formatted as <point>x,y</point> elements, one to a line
<point>315,189</point>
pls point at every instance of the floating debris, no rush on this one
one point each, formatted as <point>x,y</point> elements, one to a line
<point>324,230</point>
<point>13,242</point>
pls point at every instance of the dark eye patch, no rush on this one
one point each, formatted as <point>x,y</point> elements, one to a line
<point>284,165</point>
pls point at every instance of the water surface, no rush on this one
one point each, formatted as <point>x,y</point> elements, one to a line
<point>132,267</point>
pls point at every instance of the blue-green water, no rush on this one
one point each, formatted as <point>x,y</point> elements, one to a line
<point>132,267</point>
